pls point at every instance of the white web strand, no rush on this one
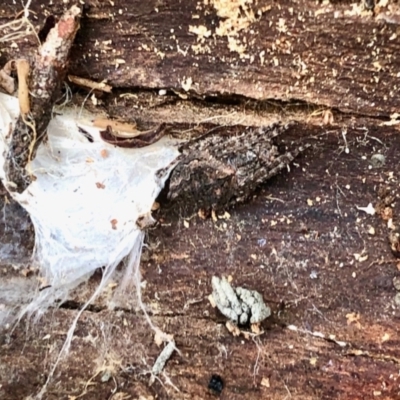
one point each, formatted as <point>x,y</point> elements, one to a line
<point>84,204</point>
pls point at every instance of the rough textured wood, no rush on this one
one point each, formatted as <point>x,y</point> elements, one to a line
<point>333,55</point>
<point>296,244</point>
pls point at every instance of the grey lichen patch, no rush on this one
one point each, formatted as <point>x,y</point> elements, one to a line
<point>254,304</point>
<point>378,160</point>
<point>225,298</point>
<point>239,305</point>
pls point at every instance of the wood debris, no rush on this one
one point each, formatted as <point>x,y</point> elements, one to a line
<point>162,359</point>
<point>89,84</point>
<point>44,85</point>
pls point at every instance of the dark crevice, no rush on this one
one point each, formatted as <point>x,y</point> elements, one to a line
<point>75,305</point>
<point>373,356</point>
<point>49,24</point>
<point>265,105</point>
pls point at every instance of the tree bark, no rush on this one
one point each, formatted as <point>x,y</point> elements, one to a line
<point>335,55</point>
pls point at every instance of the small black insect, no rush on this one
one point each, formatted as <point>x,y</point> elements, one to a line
<point>216,384</point>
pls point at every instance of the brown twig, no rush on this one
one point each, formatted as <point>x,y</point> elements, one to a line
<point>44,85</point>
<point>89,84</point>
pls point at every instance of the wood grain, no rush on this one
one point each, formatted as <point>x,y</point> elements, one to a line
<point>333,55</point>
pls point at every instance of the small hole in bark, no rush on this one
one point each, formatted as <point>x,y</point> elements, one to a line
<point>48,25</point>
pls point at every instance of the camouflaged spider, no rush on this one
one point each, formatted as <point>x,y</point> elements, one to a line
<point>217,171</point>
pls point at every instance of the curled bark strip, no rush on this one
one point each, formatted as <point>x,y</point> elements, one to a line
<point>47,74</point>
<point>144,139</point>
